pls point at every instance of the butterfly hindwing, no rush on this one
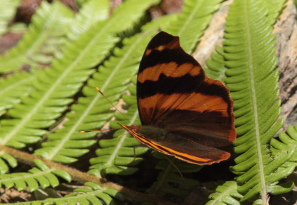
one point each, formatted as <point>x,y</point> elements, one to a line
<point>180,147</point>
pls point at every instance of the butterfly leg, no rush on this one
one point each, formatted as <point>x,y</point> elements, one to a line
<point>134,150</point>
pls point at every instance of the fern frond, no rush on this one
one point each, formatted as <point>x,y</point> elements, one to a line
<point>192,22</point>
<point>7,12</point>
<point>226,194</point>
<point>252,77</point>
<point>13,88</point>
<point>40,176</point>
<point>67,144</point>
<point>45,35</point>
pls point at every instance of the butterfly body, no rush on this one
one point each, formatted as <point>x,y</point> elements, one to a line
<point>183,112</point>
<point>150,132</point>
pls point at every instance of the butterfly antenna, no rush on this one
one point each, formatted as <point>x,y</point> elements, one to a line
<point>99,90</point>
<point>176,168</point>
<point>85,131</point>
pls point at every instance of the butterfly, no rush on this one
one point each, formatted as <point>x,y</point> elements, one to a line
<point>183,112</point>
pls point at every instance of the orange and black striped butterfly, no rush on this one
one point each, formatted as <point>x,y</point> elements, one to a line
<point>183,112</point>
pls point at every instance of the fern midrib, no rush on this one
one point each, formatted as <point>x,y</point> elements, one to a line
<point>72,198</point>
<point>254,101</point>
<point>28,175</point>
<point>120,144</point>
<point>226,193</point>
<point>79,195</point>
<point>35,109</point>
<point>15,85</point>
<point>93,102</point>
<point>54,86</point>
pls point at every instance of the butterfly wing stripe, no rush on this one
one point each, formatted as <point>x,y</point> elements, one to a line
<point>193,102</point>
<point>169,85</point>
<point>170,70</point>
<point>182,85</point>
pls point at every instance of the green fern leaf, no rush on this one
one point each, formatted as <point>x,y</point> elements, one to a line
<point>286,141</point>
<point>216,65</point>
<point>226,194</point>
<point>45,35</point>
<point>42,176</point>
<point>274,8</point>
<point>92,194</point>
<point>133,10</point>
<point>6,160</point>
<point>13,88</point>
<point>7,12</point>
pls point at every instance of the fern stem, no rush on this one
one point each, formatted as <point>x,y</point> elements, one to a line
<point>83,177</point>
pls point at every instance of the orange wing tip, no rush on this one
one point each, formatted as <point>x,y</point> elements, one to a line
<point>223,157</point>
<point>232,136</point>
